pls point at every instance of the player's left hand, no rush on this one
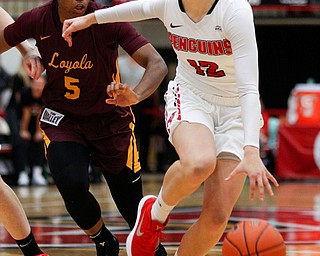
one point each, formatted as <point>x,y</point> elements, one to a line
<point>121,95</point>
<point>76,24</point>
<point>38,136</point>
<point>258,174</point>
<point>70,26</point>
<point>32,65</point>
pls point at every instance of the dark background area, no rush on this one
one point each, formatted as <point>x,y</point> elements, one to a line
<point>287,55</point>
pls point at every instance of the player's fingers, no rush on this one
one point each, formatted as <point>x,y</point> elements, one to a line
<point>35,68</point>
<point>39,68</point>
<point>260,188</point>
<point>268,186</point>
<point>231,175</point>
<point>114,95</point>
<point>69,41</point>
<point>273,179</point>
<point>31,64</point>
<point>110,89</point>
<point>66,29</point>
<point>67,37</point>
<point>27,68</point>
<point>116,88</point>
<point>65,26</point>
<point>111,101</point>
<point>252,187</point>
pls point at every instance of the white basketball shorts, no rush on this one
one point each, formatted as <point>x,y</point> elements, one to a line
<point>224,122</point>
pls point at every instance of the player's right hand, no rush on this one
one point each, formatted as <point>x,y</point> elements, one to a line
<point>75,24</point>
<point>254,168</point>
<point>121,95</point>
<point>33,66</point>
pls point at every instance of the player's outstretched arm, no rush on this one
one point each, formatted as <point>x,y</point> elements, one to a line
<point>76,24</point>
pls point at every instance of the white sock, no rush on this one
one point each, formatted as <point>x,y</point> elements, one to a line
<point>160,210</point>
<point>37,171</point>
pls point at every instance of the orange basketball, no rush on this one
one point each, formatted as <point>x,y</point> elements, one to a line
<point>253,237</point>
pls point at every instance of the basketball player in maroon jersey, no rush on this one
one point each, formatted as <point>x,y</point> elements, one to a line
<point>78,126</point>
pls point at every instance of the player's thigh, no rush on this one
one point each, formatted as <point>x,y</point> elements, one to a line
<point>68,162</point>
<point>194,142</point>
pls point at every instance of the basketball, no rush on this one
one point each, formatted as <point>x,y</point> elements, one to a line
<point>253,237</point>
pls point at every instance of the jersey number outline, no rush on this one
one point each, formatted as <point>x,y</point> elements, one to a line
<point>73,92</point>
<point>206,68</point>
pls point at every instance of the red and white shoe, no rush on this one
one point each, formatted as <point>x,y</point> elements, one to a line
<point>42,254</point>
<point>144,239</point>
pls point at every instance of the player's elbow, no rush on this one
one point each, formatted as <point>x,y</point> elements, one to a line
<point>3,44</point>
<point>162,66</point>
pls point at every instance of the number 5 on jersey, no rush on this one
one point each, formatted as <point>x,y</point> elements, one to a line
<point>73,90</point>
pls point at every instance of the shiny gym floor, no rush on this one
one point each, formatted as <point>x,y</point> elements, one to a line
<point>294,211</point>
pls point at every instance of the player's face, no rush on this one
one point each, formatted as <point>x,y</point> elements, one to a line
<point>72,8</point>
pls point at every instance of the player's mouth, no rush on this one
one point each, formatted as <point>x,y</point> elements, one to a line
<point>79,9</point>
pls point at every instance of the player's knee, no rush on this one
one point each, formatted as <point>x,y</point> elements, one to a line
<point>72,188</point>
<point>200,168</point>
<point>217,220</point>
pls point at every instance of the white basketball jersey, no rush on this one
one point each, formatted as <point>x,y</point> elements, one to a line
<point>204,49</point>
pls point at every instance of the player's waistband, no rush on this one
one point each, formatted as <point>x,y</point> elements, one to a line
<point>215,99</point>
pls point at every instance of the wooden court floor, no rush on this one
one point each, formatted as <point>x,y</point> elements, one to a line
<point>294,211</point>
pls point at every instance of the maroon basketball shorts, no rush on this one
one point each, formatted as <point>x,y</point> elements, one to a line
<point>109,137</point>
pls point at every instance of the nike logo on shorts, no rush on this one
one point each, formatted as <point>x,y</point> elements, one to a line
<point>136,179</point>
<point>175,26</point>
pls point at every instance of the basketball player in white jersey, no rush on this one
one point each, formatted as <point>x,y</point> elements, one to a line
<point>212,114</point>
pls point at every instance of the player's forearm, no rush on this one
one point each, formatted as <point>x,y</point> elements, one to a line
<point>126,12</point>
<point>251,116</point>
<point>151,79</point>
<point>26,49</point>
<point>90,19</point>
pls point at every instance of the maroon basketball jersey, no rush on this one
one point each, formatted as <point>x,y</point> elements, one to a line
<point>77,76</point>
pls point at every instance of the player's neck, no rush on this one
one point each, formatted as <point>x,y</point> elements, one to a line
<point>65,14</point>
<point>196,10</point>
